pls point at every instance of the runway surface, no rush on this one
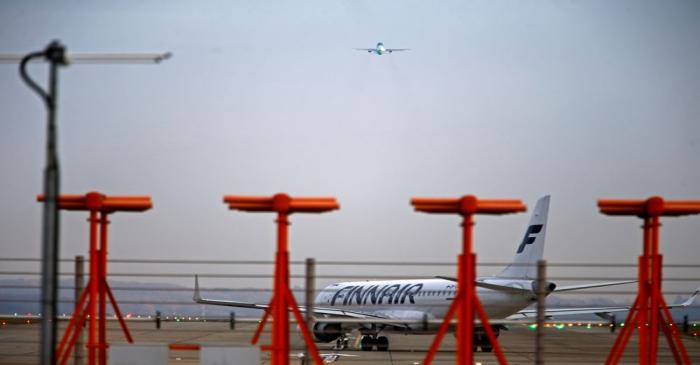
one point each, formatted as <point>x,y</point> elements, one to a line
<point>572,345</point>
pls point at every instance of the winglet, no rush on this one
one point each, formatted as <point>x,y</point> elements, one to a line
<point>691,299</point>
<point>196,297</point>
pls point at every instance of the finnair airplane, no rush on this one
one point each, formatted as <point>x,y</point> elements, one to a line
<point>380,49</point>
<point>503,296</point>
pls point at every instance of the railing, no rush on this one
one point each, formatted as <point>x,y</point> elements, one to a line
<point>144,287</point>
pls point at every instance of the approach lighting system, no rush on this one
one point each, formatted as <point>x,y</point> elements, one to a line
<point>467,302</point>
<point>281,203</point>
<point>650,312</point>
<point>92,302</point>
<point>283,300</point>
<point>99,202</point>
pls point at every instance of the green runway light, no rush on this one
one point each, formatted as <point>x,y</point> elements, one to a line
<point>532,326</point>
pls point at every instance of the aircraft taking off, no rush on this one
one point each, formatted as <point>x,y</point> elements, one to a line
<point>503,296</point>
<point>380,49</point>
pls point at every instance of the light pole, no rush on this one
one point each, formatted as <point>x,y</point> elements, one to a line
<point>55,55</point>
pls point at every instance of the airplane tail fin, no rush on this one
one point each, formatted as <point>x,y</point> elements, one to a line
<point>690,300</point>
<point>530,250</point>
<point>196,296</point>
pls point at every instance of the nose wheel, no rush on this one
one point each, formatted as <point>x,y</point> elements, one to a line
<point>341,343</point>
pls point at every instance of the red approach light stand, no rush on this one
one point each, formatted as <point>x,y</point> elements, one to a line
<point>97,288</point>
<point>466,302</point>
<point>282,298</point>
<point>649,312</point>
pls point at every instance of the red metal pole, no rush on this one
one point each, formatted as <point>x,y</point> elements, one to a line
<point>102,288</point>
<point>643,309</point>
<point>624,336</point>
<point>465,323</point>
<point>671,342</point>
<point>94,283</point>
<point>679,349</point>
<point>262,323</point>
<point>74,337</point>
<point>304,330</point>
<point>118,313</point>
<point>655,294</point>
<point>489,331</point>
<point>72,322</point>
<point>444,326</point>
<point>461,330</point>
<point>280,324</point>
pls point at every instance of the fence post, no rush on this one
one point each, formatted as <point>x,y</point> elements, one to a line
<point>541,297</point>
<point>232,320</point>
<point>79,284</point>
<point>686,325</point>
<point>309,300</point>
<point>158,319</point>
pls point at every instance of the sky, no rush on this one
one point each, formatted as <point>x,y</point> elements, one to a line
<point>501,99</point>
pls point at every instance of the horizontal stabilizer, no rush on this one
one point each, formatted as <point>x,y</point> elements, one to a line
<point>599,311</point>
<point>492,286</point>
<point>593,285</point>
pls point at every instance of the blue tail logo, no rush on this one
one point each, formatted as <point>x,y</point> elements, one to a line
<point>530,236</point>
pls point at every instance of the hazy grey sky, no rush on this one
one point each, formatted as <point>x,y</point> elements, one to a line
<point>578,99</point>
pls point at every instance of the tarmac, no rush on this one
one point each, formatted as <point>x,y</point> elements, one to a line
<point>570,345</point>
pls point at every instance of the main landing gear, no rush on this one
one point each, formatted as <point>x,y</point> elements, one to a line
<point>368,342</point>
<point>482,341</point>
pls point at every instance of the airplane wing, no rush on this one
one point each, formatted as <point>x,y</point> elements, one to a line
<point>365,49</point>
<point>197,297</point>
<point>397,49</point>
<point>599,311</point>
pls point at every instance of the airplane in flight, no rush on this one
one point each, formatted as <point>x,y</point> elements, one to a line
<point>380,49</point>
<point>503,296</point>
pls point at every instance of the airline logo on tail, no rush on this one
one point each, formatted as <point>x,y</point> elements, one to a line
<point>530,236</point>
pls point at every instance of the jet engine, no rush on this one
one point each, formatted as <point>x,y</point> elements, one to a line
<point>548,287</point>
<point>327,332</point>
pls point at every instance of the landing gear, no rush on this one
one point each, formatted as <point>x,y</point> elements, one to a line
<point>382,343</point>
<point>481,340</point>
<point>368,342</point>
<point>341,343</point>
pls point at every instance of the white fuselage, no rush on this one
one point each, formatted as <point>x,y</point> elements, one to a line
<point>380,49</point>
<point>417,299</point>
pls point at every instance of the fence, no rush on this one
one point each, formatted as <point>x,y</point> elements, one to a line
<point>156,296</point>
